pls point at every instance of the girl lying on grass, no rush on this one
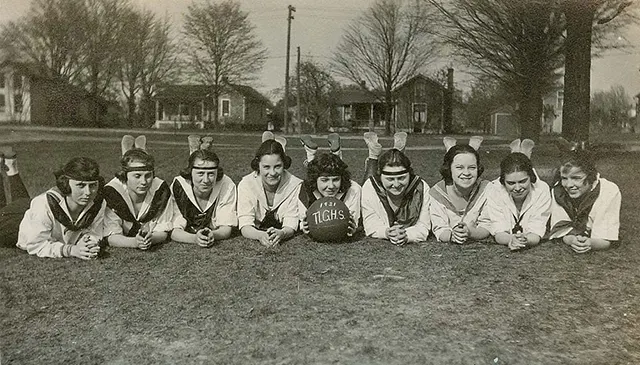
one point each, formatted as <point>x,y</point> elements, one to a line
<point>67,220</point>
<point>138,212</point>
<point>395,201</point>
<point>328,176</point>
<point>268,196</point>
<point>519,202</point>
<point>458,200</point>
<point>203,197</point>
<point>585,212</point>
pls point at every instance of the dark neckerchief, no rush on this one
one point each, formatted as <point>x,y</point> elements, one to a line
<point>577,209</point>
<point>61,216</point>
<point>116,202</point>
<point>408,211</point>
<point>517,228</point>
<point>269,220</point>
<point>196,219</point>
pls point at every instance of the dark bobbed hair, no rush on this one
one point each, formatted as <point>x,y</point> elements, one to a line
<point>580,159</point>
<point>392,158</point>
<point>204,155</point>
<point>134,155</point>
<point>516,162</point>
<point>459,149</point>
<point>82,168</point>
<point>328,164</point>
<point>270,147</point>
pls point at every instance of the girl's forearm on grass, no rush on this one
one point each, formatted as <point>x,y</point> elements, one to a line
<point>118,240</point>
<point>533,239</point>
<point>445,236</point>
<point>180,235</point>
<point>251,232</point>
<point>599,243</point>
<point>288,233</point>
<point>478,233</point>
<point>503,238</point>
<point>158,237</point>
<point>222,233</point>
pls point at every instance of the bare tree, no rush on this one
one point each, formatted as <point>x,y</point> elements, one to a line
<point>588,24</point>
<point>43,37</point>
<point>609,109</point>
<point>318,93</point>
<point>386,46</point>
<point>149,57</point>
<point>222,46</point>
<point>103,49</point>
<point>518,43</point>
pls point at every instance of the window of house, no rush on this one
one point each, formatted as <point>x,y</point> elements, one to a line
<point>17,82</point>
<point>560,99</point>
<point>226,108</point>
<point>17,103</point>
<point>420,90</point>
<point>2,103</point>
<point>1,81</point>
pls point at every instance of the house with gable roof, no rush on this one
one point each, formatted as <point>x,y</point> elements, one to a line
<point>192,106</point>
<point>418,106</point>
<point>30,95</point>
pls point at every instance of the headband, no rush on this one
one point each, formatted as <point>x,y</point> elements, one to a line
<point>204,168</point>
<point>395,173</point>
<point>138,168</point>
<point>82,178</point>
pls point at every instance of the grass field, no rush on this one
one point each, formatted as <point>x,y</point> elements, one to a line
<point>311,303</point>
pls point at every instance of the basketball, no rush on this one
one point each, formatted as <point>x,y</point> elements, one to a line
<point>328,220</point>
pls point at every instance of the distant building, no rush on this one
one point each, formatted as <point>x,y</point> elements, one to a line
<point>29,95</point>
<point>361,109</point>
<point>504,120</point>
<point>190,106</point>
<point>417,106</point>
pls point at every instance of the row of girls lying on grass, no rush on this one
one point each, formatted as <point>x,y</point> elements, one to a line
<point>67,219</point>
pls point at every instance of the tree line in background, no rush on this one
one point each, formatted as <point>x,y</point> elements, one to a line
<point>518,51</point>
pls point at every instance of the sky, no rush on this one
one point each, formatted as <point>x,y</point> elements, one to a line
<point>317,29</point>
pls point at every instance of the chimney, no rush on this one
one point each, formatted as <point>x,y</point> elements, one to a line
<point>448,103</point>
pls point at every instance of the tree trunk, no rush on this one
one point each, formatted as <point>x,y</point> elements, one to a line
<point>215,111</point>
<point>131,107</point>
<point>577,76</point>
<point>530,114</point>
<point>388,108</point>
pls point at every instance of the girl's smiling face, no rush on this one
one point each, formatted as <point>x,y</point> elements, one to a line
<point>271,169</point>
<point>392,183</point>
<point>464,170</point>
<point>574,181</point>
<point>518,185</point>
<point>328,185</point>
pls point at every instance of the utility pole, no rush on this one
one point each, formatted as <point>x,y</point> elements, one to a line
<point>286,72</point>
<point>298,93</point>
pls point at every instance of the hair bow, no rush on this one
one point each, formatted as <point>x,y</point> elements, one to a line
<point>129,143</point>
<point>525,146</point>
<point>474,142</point>
<point>197,142</point>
